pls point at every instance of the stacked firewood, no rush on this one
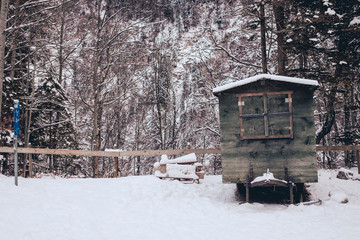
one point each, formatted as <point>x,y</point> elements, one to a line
<point>184,168</point>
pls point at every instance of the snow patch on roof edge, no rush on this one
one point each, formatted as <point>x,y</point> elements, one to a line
<point>265,76</point>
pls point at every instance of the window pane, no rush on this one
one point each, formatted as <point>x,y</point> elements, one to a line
<point>278,103</point>
<point>253,126</point>
<point>279,125</point>
<point>253,105</point>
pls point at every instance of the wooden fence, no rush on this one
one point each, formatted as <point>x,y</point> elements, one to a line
<point>110,153</point>
<point>114,153</point>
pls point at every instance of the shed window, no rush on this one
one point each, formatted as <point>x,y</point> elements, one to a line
<point>266,115</point>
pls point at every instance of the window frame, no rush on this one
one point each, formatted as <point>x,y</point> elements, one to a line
<point>265,115</point>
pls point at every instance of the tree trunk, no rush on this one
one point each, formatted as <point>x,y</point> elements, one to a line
<point>61,47</point>
<point>263,38</point>
<point>118,137</point>
<point>96,93</point>
<point>117,145</point>
<point>3,18</point>
<point>157,97</point>
<point>96,133</point>
<point>349,125</point>
<point>279,14</point>
<point>353,120</point>
<point>329,117</point>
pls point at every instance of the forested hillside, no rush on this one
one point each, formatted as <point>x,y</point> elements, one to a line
<point>136,75</point>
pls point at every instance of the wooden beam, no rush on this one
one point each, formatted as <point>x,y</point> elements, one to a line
<point>30,166</point>
<point>247,189</point>
<point>291,188</point>
<point>147,152</point>
<point>109,153</point>
<point>358,160</point>
<point>338,148</point>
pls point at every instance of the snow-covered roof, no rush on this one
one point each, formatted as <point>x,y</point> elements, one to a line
<point>268,77</point>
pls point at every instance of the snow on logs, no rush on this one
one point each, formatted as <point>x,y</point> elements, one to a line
<point>346,174</point>
<point>183,168</point>
<point>268,179</point>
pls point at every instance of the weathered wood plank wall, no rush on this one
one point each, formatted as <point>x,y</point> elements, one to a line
<point>297,154</point>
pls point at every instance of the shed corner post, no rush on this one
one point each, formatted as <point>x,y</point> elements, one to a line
<point>247,188</point>
<point>291,187</point>
<point>290,181</point>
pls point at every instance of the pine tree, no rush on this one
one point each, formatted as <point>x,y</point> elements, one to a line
<point>51,123</point>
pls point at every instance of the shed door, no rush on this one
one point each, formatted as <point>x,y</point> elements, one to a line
<point>265,115</point>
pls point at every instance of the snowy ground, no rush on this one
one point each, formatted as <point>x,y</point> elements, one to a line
<point>149,208</point>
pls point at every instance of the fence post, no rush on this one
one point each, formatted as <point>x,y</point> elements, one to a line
<point>116,166</point>
<point>16,133</point>
<point>30,165</point>
<point>358,160</point>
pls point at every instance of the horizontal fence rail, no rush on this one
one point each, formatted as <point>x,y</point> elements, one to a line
<point>338,148</point>
<point>115,153</point>
<point>110,153</point>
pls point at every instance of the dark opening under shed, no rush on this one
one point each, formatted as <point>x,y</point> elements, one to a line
<point>267,124</point>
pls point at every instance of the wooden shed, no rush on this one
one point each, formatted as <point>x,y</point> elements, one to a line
<point>267,124</point>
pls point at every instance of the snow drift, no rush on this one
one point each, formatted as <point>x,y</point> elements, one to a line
<point>146,207</point>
